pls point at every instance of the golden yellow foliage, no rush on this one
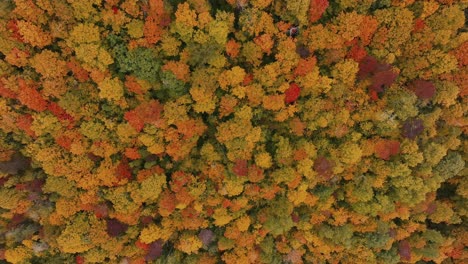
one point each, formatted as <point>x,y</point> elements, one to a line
<point>189,244</point>
<point>273,102</point>
<point>111,89</point>
<point>232,77</point>
<point>263,160</point>
<point>19,254</point>
<point>153,232</point>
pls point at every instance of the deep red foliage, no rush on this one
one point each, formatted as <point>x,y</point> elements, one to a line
<point>3,180</point>
<point>247,79</point>
<point>423,89</point>
<point>35,185</point>
<point>141,245</point>
<point>357,53</point>
<point>292,93</point>
<point>382,80</point>
<point>431,208</point>
<point>382,75</point>
<point>240,167</point>
<point>12,25</point>
<point>146,220</point>
<point>60,113</point>
<point>123,170</point>
<point>404,250</point>
<point>115,227</point>
<point>419,25</point>
<point>367,67</point>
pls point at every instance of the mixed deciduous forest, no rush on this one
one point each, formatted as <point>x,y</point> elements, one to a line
<point>233,131</point>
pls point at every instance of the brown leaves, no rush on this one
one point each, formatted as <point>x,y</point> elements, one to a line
<point>323,167</point>
<point>17,163</point>
<point>422,89</point>
<point>115,227</point>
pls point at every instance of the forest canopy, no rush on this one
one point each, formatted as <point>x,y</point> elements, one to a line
<point>233,131</point>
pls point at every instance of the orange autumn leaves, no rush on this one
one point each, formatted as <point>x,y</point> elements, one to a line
<point>146,113</point>
<point>248,145</point>
<point>385,149</point>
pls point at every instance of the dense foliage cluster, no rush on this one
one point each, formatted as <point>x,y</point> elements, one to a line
<point>204,131</point>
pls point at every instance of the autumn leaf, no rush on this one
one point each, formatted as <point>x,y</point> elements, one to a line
<point>5,92</point>
<point>115,227</point>
<point>404,250</point>
<point>384,149</point>
<point>292,93</point>
<point>206,236</point>
<point>240,167</point>
<point>382,80</point>
<point>412,128</point>
<point>101,210</point>
<point>323,167</point>
<point>148,112</point>
<point>18,57</point>
<point>33,34</point>
<point>79,72</point>
<point>316,9</point>
<point>132,153</point>
<point>303,51</point>
<point>232,48</point>
<point>422,89</point>
<point>305,66</point>
<point>59,112</point>
<point>17,163</point>
<point>30,97</point>
<point>24,123</point>
<point>123,170</point>
<point>179,69</point>
<point>367,66</point>
<point>155,250</point>
<point>357,53</point>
